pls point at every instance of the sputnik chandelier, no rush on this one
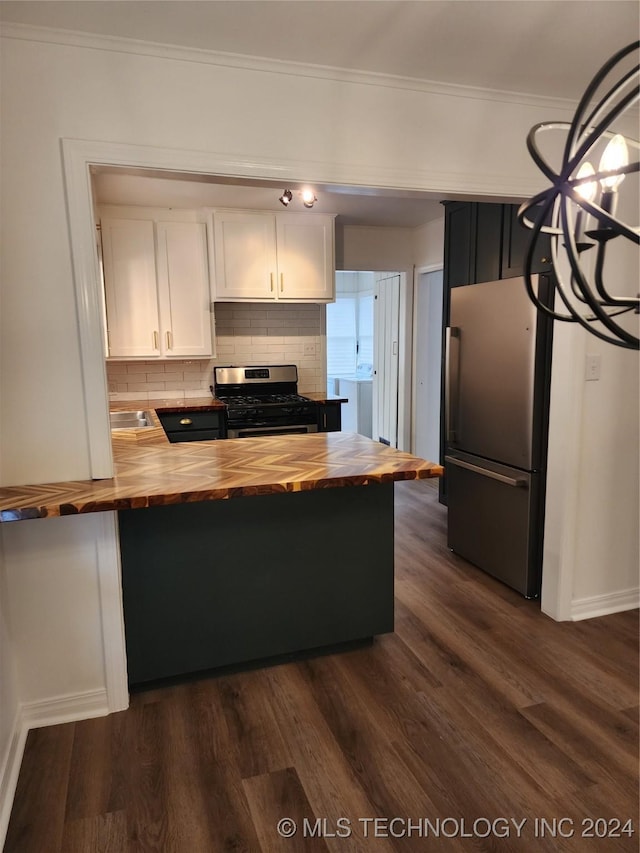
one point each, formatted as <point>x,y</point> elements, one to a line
<point>579,210</point>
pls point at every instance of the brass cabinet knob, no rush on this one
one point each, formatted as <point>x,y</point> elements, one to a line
<point>186,422</point>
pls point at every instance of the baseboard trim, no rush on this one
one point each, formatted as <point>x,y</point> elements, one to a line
<point>601,605</point>
<point>65,709</point>
<point>9,771</point>
<point>33,715</point>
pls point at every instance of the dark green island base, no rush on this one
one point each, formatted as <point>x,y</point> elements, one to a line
<point>224,582</point>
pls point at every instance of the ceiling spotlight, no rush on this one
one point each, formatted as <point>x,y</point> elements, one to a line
<point>308,198</point>
<point>286,197</point>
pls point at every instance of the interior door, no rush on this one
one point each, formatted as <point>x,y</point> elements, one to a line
<point>386,333</point>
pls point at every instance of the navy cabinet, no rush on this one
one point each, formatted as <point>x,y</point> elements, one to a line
<point>188,425</point>
<point>329,416</point>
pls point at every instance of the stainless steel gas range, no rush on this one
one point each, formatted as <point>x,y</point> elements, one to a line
<point>264,400</point>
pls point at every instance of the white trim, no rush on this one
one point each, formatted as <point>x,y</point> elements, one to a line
<point>601,605</point>
<point>439,265</point>
<point>111,612</point>
<point>418,271</point>
<point>64,709</point>
<point>9,772</point>
<point>138,47</point>
<point>34,715</point>
<point>79,155</point>
<point>563,472</point>
<point>89,310</point>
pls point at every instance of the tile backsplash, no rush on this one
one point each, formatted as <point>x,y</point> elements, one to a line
<point>246,333</point>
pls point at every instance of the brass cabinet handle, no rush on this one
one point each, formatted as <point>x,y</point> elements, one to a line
<point>281,282</point>
<point>155,340</point>
<point>186,422</point>
<point>169,337</point>
<point>271,276</point>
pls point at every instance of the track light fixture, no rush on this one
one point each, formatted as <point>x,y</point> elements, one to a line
<point>308,198</point>
<point>307,195</point>
<point>579,210</point>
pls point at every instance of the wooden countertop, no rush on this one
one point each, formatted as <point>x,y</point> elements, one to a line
<point>149,471</point>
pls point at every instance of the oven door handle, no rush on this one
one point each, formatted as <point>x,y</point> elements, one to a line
<point>289,429</point>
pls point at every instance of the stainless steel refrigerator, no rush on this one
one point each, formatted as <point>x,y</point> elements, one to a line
<point>497,369</point>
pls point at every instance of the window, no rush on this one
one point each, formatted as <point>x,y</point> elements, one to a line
<point>341,336</point>
<point>365,329</point>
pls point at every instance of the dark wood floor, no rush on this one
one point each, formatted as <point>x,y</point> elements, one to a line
<point>477,709</point>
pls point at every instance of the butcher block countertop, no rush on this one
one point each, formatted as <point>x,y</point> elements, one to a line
<point>149,471</point>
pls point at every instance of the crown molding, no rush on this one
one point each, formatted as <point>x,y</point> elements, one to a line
<point>72,38</point>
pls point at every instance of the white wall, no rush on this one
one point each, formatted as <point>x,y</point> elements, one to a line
<point>103,91</point>
<point>376,248</point>
<point>428,244</point>
<point>592,554</point>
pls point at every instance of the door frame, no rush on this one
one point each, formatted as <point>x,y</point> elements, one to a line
<point>418,271</point>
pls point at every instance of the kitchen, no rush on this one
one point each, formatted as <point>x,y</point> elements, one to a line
<point>43,291</point>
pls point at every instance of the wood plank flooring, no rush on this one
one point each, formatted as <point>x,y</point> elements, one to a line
<point>476,712</point>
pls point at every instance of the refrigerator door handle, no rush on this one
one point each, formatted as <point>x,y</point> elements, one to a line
<point>516,482</point>
<point>451,370</point>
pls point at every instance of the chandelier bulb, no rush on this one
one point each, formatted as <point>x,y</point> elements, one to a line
<point>588,189</point>
<point>615,155</point>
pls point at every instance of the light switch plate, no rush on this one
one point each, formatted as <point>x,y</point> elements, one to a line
<point>592,368</point>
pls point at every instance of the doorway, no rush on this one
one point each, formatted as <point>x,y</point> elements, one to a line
<point>363,352</point>
<point>386,349</point>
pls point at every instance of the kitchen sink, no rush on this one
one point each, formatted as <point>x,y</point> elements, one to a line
<point>130,420</point>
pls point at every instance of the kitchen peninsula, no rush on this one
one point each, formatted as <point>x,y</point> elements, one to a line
<point>305,561</point>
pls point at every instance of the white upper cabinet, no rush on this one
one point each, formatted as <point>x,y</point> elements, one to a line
<point>156,282</point>
<point>306,266</point>
<point>130,285</point>
<point>261,257</point>
<point>245,248</point>
<point>183,289</point>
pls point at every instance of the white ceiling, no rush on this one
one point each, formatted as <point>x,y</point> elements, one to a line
<point>549,48</point>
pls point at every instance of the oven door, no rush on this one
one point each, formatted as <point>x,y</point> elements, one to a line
<point>283,429</point>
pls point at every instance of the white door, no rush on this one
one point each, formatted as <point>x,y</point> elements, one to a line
<point>428,357</point>
<point>386,332</point>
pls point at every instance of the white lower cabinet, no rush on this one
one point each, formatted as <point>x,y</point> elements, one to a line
<point>156,282</point>
<point>265,257</point>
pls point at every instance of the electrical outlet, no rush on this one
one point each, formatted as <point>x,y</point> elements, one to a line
<point>309,349</point>
<point>592,368</point>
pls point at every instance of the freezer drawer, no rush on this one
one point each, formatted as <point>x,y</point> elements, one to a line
<point>492,520</point>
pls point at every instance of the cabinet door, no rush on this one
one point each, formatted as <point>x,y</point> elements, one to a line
<point>329,417</point>
<point>183,289</point>
<point>515,244</point>
<point>245,248</point>
<point>458,244</point>
<point>488,240</point>
<point>128,249</point>
<point>306,268</point>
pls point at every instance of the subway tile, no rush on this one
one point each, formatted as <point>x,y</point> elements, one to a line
<point>146,386</point>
